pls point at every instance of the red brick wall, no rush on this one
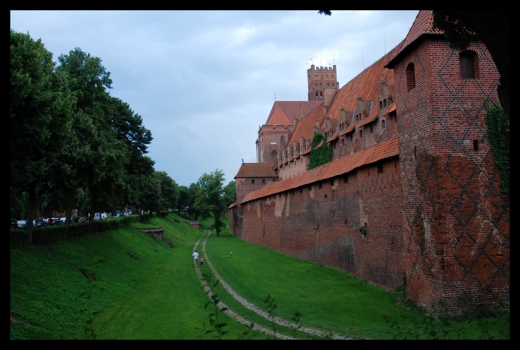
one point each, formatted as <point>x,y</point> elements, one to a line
<point>455,220</point>
<point>287,221</point>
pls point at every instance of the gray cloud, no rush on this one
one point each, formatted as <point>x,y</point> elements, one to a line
<point>203,81</point>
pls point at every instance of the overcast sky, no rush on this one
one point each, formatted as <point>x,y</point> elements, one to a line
<point>204,81</point>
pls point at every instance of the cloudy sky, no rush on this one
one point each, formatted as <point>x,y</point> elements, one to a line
<point>204,81</point>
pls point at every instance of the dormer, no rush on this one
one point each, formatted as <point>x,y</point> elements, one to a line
<point>363,108</point>
<point>386,93</point>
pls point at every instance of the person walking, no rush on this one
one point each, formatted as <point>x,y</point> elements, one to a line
<point>195,256</point>
<point>201,261</point>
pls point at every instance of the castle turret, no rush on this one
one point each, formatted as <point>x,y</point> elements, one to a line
<point>322,84</point>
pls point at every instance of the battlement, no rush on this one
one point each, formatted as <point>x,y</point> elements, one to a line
<point>321,69</point>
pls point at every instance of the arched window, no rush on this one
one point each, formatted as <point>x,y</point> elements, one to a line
<point>384,102</point>
<point>282,142</point>
<point>410,77</point>
<point>468,65</point>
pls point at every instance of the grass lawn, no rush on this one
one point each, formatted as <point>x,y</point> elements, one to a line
<point>141,288</point>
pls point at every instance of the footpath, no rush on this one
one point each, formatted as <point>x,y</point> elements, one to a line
<point>250,306</point>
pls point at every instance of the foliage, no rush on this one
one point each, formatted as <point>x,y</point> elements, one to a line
<point>271,306</point>
<point>38,103</point>
<point>457,32</point>
<point>71,143</point>
<point>498,131</point>
<point>213,318</point>
<point>210,200</point>
<point>230,193</point>
<point>321,152</point>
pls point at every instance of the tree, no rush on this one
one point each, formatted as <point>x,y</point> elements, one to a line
<point>169,190</point>
<point>38,108</point>
<point>99,153</point>
<point>210,199</point>
<point>230,193</point>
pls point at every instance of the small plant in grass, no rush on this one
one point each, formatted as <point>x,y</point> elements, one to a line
<point>269,301</point>
<point>213,318</point>
<point>296,319</point>
<point>247,334</point>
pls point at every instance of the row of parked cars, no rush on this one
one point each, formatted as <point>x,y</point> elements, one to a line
<point>38,222</point>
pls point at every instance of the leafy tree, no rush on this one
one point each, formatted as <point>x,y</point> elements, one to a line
<point>210,199</point>
<point>100,154</point>
<point>230,193</point>
<point>38,107</point>
<point>169,190</point>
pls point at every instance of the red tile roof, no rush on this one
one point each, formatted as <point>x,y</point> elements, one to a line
<point>385,149</point>
<point>423,25</point>
<point>391,108</point>
<point>293,109</point>
<point>333,137</point>
<point>249,170</point>
<point>305,127</point>
<point>367,86</point>
<point>278,118</point>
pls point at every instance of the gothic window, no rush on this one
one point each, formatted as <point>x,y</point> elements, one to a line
<point>384,102</point>
<point>263,181</point>
<point>380,104</point>
<point>282,142</point>
<point>468,65</point>
<point>410,77</point>
<point>252,182</point>
<point>383,122</point>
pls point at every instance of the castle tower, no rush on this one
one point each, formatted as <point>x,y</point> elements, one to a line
<point>456,220</point>
<point>322,83</point>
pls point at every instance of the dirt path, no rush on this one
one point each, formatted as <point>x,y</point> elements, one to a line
<point>250,306</point>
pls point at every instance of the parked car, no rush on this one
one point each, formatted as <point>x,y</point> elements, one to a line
<point>40,222</point>
<point>14,223</point>
<point>22,223</point>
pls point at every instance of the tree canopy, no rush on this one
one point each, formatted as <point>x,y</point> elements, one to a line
<point>210,201</point>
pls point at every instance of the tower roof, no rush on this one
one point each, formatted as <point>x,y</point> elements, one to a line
<point>278,118</point>
<point>421,27</point>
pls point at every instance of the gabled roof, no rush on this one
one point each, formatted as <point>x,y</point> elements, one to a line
<point>421,27</point>
<point>305,127</point>
<point>278,118</point>
<point>292,109</point>
<point>249,170</point>
<point>385,149</point>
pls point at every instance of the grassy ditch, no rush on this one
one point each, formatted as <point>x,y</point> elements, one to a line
<point>125,284</point>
